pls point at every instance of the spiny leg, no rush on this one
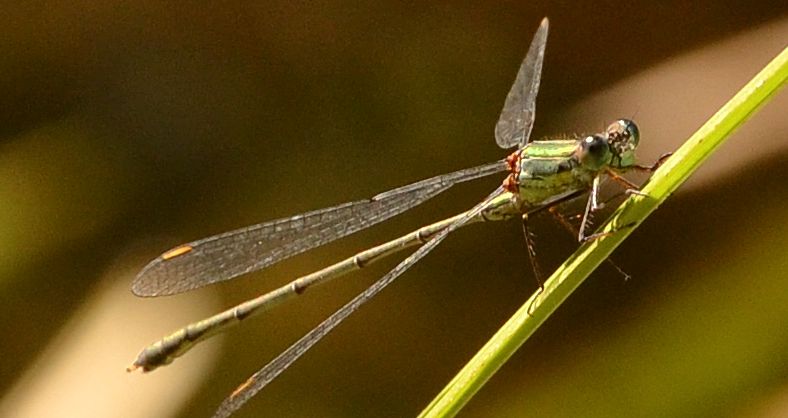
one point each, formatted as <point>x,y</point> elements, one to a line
<point>632,188</point>
<point>652,168</point>
<point>573,231</point>
<point>591,206</point>
<point>531,246</point>
<point>626,192</point>
<point>531,249</point>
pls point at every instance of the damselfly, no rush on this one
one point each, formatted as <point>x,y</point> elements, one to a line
<point>541,174</point>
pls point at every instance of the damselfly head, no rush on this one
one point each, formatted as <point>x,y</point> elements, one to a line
<point>623,136</point>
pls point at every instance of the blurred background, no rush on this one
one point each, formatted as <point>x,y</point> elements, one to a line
<point>128,127</point>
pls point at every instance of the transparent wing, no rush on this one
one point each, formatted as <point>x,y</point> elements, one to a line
<point>517,117</point>
<point>225,256</point>
<point>273,369</point>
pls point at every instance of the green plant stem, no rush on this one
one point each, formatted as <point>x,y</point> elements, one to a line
<point>624,220</point>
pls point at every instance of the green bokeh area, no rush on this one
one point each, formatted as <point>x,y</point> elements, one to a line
<point>128,128</point>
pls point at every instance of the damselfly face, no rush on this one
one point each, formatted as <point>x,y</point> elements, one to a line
<point>614,148</point>
<point>622,138</point>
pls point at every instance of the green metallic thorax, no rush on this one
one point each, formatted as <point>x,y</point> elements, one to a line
<point>548,171</point>
<point>548,168</point>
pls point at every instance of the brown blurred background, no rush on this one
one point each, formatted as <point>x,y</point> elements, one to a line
<point>129,127</point>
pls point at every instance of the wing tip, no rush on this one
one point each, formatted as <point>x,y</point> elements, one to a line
<point>544,26</point>
<point>144,283</point>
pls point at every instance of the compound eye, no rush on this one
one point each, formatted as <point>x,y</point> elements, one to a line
<point>631,130</point>
<point>595,145</point>
<point>623,134</point>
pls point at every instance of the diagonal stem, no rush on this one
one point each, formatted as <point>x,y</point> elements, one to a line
<point>633,211</point>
